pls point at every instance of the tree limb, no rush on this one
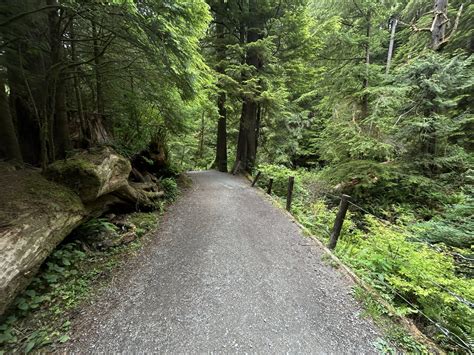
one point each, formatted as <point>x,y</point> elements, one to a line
<point>23,14</point>
<point>455,27</point>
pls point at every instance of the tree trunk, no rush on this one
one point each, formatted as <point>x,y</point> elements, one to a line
<point>438,28</point>
<point>21,110</point>
<point>27,126</point>
<point>365,98</point>
<point>257,126</point>
<point>201,137</point>
<point>98,78</point>
<point>247,148</point>
<point>85,140</point>
<point>62,139</point>
<point>221,145</point>
<point>394,24</point>
<point>10,149</point>
<point>60,124</point>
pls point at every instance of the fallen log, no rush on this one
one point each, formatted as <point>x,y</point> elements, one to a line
<point>36,214</point>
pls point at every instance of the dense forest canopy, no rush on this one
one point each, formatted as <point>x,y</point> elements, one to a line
<point>301,83</point>
<point>363,97</point>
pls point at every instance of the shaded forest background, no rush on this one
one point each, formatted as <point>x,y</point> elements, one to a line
<point>369,98</point>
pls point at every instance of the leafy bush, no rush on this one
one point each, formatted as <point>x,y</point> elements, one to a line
<point>407,271</point>
<point>55,289</point>
<point>412,276</point>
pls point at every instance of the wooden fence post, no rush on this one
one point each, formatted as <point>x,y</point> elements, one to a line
<point>289,196</point>
<point>237,167</point>
<point>269,188</point>
<point>341,214</point>
<point>256,179</point>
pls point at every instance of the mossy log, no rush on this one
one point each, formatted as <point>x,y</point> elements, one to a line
<point>101,177</point>
<point>37,214</point>
<point>92,173</point>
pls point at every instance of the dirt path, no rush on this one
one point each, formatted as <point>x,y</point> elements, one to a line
<point>228,272</point>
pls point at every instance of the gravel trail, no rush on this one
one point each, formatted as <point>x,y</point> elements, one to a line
<point>227,272</point>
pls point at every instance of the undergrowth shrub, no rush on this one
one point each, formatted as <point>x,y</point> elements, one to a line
<point>381,186</point>
<point>95,226</point>
<point>406,271</point>
<point>395,259</point>
<point>454,227</point>
<point>170,188</point>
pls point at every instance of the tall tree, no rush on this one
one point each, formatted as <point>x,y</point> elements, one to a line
<point>10,149</point>
<point>221,146</point>
<point>247,141</point>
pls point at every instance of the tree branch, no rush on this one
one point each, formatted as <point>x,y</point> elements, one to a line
<point>455,27</point>
<point>23,14</point>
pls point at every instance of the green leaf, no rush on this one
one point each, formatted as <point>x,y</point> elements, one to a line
<point>30,346</point>
<point>64,338</point>
<point>23,306</point>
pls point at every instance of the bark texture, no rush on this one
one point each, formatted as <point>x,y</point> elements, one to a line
<point>438,29</point>
<point>35,216</point>
<point>247,141</point>
<point>221,146</point>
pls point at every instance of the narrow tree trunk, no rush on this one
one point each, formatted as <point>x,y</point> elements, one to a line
<point>394,24</point>
<point>23,116</point>
<point>438,27</point>
<point>62,139</point>
<point>9,149</point>
<point>201,138</point>
<point>98,78</point>
<point>77,92</point>
<point>365,98</point>
<point>257,126</point>
<point>221,145</point>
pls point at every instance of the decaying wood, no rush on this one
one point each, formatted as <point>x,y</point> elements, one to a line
<point>92,173</point>
<point>36,214</point>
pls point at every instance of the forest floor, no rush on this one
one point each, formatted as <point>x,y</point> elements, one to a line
<point>228,271</point>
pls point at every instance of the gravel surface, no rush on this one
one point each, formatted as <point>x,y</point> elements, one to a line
<point>227,272</point>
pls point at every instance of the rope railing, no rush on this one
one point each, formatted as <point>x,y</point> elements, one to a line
<point>345,201</point>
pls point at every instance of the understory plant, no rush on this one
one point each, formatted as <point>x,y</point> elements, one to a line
<point>420,281</point>
<point>41,316</point>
